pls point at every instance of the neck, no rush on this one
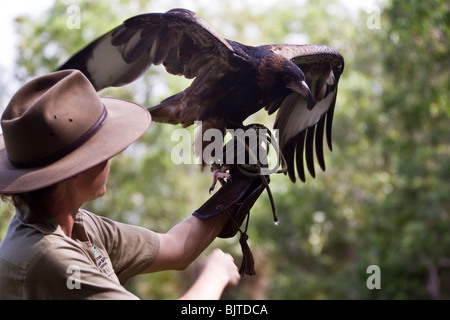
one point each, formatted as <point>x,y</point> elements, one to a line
<point>64,209</point>
<point>66,220</point>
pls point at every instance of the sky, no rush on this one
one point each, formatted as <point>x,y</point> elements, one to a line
<point>9,10</point>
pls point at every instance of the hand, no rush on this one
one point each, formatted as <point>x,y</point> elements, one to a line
<point>222,265</point>
<point>218,272</point>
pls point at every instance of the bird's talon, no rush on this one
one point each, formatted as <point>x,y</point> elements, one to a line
<point>220,175</point>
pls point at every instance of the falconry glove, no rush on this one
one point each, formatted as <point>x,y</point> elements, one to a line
<point>238,195</point>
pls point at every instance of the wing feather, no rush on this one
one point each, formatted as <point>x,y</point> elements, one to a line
<point>320,127</point>
<point>329,125</point>
<point>179,38</point>
<point>300,127</point>
<point>309,150</point>
<point>300,145</point>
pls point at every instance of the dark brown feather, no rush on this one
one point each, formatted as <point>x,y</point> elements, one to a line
<point>299,156</point>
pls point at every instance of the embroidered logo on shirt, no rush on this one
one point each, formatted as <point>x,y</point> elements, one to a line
<point>102,261</point>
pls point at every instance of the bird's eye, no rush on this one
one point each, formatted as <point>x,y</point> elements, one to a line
<point>288,78</point>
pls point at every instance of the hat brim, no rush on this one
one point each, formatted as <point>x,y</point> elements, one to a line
<point>126,122</point>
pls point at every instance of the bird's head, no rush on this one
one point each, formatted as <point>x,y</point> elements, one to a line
<point>280,76</point>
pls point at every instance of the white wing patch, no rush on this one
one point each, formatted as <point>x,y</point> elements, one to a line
<point>294,117</point>
<point>108,66</point>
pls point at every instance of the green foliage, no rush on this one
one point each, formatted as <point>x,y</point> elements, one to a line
<point>384,198</point>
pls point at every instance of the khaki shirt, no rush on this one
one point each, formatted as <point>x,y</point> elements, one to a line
<point>38,261</point>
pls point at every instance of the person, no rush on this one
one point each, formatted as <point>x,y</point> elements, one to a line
<point>58,137</point>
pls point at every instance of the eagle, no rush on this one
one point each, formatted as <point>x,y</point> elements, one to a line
<point>231,80</point>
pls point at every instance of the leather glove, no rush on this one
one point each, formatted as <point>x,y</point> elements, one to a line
<point>238,195</point>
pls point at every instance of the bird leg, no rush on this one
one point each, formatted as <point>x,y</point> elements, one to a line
<point>220,174</point>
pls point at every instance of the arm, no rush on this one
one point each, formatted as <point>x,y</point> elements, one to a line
<point>185,242</point>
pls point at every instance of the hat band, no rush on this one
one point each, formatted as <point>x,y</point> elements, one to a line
<point>66,150</point>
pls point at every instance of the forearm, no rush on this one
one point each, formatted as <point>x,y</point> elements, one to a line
<point>184,242</point>
<point>194,235</point>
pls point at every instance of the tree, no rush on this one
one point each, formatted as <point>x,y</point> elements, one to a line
<point>383,200</point>
<point>416,150</point>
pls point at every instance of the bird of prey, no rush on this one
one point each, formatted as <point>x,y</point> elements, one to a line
<point>231,80</point>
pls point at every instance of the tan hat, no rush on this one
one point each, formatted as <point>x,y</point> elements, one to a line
<point>56,126</point>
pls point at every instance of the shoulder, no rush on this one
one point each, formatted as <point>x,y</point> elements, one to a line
<point>48,270</point>
<point>67,273</point>
<point>113,232</point>
<point>24,243</point>
<point>28,258</point>
<point>56,257</point>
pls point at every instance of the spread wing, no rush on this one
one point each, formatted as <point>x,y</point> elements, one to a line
<point>184,42</point>
<point>302,130</point>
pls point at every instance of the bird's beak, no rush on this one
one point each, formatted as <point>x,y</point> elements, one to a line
<point>302,88</point>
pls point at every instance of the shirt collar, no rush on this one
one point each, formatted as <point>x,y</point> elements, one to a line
<point>41,222</point>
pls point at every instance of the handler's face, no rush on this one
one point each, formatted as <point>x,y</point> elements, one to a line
<point>92,182</point>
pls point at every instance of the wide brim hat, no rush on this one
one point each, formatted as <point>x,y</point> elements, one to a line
<point>56,126</point>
